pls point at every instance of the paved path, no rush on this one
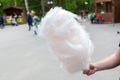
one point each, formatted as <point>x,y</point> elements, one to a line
<point>24,56</point>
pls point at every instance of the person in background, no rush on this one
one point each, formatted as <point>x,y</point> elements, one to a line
<point>1,22</point>
<point>93,18</point>
<point>29,21</point>
<point>100,19</point>
<point>35,21</point>
<point>82,13</point>
<point>14,22</point>
<point>15,16</point>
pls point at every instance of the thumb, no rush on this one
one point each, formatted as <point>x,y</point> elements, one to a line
<point>91,67</point>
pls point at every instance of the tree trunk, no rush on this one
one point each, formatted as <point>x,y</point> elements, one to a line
<point>60,3</point>
<point>43,6</point>
<point>26,5</point>
<point>15,3</point>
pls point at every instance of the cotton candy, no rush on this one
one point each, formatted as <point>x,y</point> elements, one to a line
<point>67,38</point>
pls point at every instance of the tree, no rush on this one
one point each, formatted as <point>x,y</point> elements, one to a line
<point>26,5</point>
<point>15,3</point>
<point>70,5</point>
<point>43,7</point>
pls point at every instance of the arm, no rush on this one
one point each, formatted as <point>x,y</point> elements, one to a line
<point>107,63</point>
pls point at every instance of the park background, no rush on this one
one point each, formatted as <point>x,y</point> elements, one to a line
<point>42,6</point>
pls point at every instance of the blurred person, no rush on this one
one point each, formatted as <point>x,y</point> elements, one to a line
<point>35,22</point>
<point>93,18</point>
<point>82,13</point>
<point>15,16</point>
<point>14,22</point>
<point>29,21</point>
<point>1,22</point>
<point>100,19</point>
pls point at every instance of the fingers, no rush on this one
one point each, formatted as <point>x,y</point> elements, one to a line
<point>90,71</point>
<point>92,67</point>
<point>85,71</point>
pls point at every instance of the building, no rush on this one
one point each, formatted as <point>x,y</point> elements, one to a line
<point>20,12</point>
<point>109,9</point>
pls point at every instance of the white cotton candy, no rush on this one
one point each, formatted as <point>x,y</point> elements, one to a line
<point>67,39</point>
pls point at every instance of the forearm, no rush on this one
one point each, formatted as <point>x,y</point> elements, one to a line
<point>109,62</point>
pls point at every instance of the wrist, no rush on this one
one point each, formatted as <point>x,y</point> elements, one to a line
<point>97,68</point>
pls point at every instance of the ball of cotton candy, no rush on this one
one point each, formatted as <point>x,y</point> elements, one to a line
<point>67,39</point>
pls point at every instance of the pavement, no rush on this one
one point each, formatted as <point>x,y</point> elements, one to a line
<point>24,56</point>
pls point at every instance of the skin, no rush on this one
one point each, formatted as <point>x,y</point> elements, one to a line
<point>104,64</point>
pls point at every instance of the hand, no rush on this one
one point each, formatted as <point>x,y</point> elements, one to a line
<point>92,70</point>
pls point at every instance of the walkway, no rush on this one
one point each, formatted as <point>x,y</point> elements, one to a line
<point>24,56</point>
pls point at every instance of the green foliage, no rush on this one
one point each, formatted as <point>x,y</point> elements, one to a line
<point>35,5</point>
<point>20,3</point>
<point>5,3</point>
<point>72,5</point>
